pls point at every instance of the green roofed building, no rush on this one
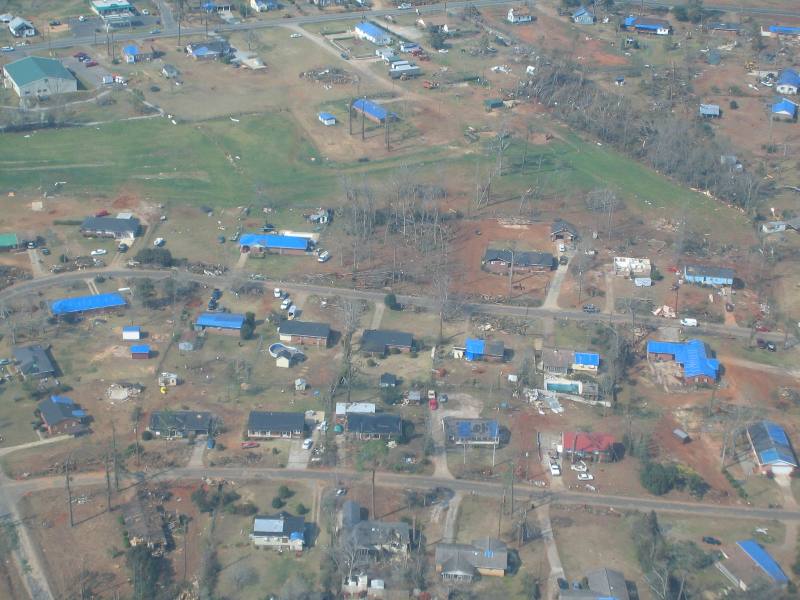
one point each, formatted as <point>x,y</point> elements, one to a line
<point>8,241</point>
<point>37,76</point>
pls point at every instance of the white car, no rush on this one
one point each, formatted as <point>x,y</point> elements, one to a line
<point>579,467</point>
<point>443,50</point>
<point>687,322</point>
<point>287,302</point>
<point>585,477</point>
<point>145,12</point>
<point>555,469</point>
<point>294,36</point>
<point>307,443</point>
<point>404,6</point>
<point>277,292</point>
<point>324,256</point>
<point>99,252</point>
<point>7,49</point>
<point>158,242</point>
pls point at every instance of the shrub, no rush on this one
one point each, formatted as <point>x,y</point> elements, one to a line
<point>284,492</point>
<point>147,436</point>
<point>277,502</point>
<point>302,509</point>
<point>390,300</point>
<point>733,105</point>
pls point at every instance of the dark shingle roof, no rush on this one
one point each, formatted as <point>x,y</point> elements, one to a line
<point>485,553</point>
<point>377,340</point>
<point>276,421</point>
<point>702,271</point>
<point>180,420</point>
<point>57,409</point>
<point>521,259</point>
<point>305,329</point>
<point>112,224</point>
<point>609,583</point>
<point>561,226</point>
<point>374,424</point>
<point>33,360</point>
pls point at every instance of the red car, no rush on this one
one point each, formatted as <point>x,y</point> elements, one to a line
<point>762,328</point>
<point>103,213</point>
<point>91,63</point>
<point>248,445</point>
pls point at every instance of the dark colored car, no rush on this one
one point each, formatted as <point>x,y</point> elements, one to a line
<point>216,294</point>
<point>729,307</point>
<point>762,328</point>
<point>212,304</point>
<point>268,227</point>
<point>761,344</point>
<point>562,583</point>
<point>46,251</point>
<point>772,347</point>
<point>711,540</point>
<point>91,63</point>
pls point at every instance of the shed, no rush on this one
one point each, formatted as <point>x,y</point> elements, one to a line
<point>219,321</point>
<point>583,16</point>
<point>373,111</point>
<point>709,110</point>
<point>79,304</point>
<point>493,103</point>
<point>326,119</point>
<point>387,380</point>
<point>8,241</point>
<point>681,435</point>
<point>169,71</point>
<point>131,333</point>
<point>140,351</point>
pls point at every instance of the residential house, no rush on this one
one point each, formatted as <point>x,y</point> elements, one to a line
<point>269,243</point>
<point>381,341</point>
<point>462,562</point>
<point>647,25</point>
<point>131,333</point>
<point>268,425</point>
<point>209,50</point>
<point>583,16</point>
<point>230,323</point>
<point>693,356</point>
<point>144,525</point>
<point>33,361</point>
<point>381,426</point>
<point>785,109</point>
<point>584,445</point>
<point>572,387</point>
<point>167,379</point>
<point>727,27</point>
<point>475,349</point>
<point>344,409</point>
<point>716,276</point>
<point>563,230</point>
<point>34,76</point>
<point>387,380</point>
<point>747,562</point>
<point>372,33</point>
<point>279,532</point>
<point>305,332</point>
<point>500,261</point>
<point>557,361</point>
<point>602,584</point>
<point>19,27</point>
<point>788,82</point>
<point>471,432</point>
<point>373,540</point>
<point>61,416</point>
<point>264,5</point>
<point>588,362</point>
<point>220,6</point>
<point>709,110</point>
<point>771,447</point>
<point>111,227</point>
<point>517,16</point>
<point>780,31</point>
<point>131,54</point>
<point>627,266</point>
<point>172,424</point>
<point>66,307</point>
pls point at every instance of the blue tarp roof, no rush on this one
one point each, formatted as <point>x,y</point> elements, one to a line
<point>281,242</point>
<point>590,359</point>
<point>326,116</point>
<point>81,303</point>
<point>785,30</point>
<point>582,11</point>
<point>372,30</point>
<point>373,109</point>
<point>131,329</point>
<point>629,21</point>
<point>785,107</point>
<point>487,429</point>
<point>763,559</point>
<point>474,346</point>
<point>131,50</point>
<point>140,349</point>
<point>62,400</point>
<point>221,320</point>
<point>790,77</point>
<point>691,355</point>
<point>771,444</point>
<point>79,413</point>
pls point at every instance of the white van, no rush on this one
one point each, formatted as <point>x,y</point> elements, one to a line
<point>687,322</point>
<point>324,256</point>
<point>287,302</point>
<point>555,469</point>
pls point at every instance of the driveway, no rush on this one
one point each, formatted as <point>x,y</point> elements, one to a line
<point>298,458</point>
<point>551,301</point>
<point>92,77</point>
<point>458,405</point>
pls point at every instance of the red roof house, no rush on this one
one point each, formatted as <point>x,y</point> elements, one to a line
<point>588,445</point>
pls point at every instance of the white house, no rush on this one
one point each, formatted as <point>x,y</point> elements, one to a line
<point>131,333</point>
<point>516,17</point>
<point>281,532</point>
<point>627,266</point>
<point>19,27</point>
<point>372,33</point>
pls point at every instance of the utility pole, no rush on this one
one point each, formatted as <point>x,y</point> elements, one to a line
<point>108,486</point>
<point>363,121</point>
<point>185,547</point>
<point>69,493</point>
<point>511,276</point>
<point>373,492</point>
<point>114,451</point>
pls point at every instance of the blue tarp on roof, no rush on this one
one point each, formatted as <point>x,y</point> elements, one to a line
<point>82,303</point>
<point>763,559</point>
<point>488,429</point>
<point>784,30</point>
<point>79,413</point>
<point>131,329</point>
<point>691,355</point>
<point>131,50</point>
<point>789,77</point>
<point>373,109</point>
<point>278,242</point>
<point>629,21</point>
<point>590,359</point>
<point>62,400</point>
<point>296,535</point>
<point>326,116</point>
<point>474,349</point>
<point>372,30</point>
<point>771,444</point>
<point>785,107</point>
<point>221,320</point>
<point>140,349</point>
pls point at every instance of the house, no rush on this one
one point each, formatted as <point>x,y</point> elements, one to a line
<point>584,445</point>
<point>144,526</point>
<point>361,586</point>
<point>563,230</point>
<point>587,362</point>
<point>372,33</point>
<point>500,261</point>
<point>516,16</point>
<point>81,304</point>
<point>344,410</point>
<point>33,361</point>
<point>557,361</point>
<point>220,6</point>
<point>627,266</point>
<point>475,349</point>
<point>788,82</point>
<point>305,332</point>
<point>373,540</point>
<point>461,562</point>
<point>171,424</point>
<point>264,5</point>
<point>61,416</point>
<point>256,243</point>
<point>140,351</point>
<point>572,387</point>
<point>583,16</point>
<point>734,28</point>
<point>112,8</point>
<point>131,54</point>
<point>169,71</point>
<point>747,562</point>
<point>692,356</point>
<point>280,532</point>
<point>647,25</point>
<point>772,449</point>
<point>268,425</point>
<point>773,227</point>
<point>709,110</point>
<point>111,227</point>
<point>326,119</point>
<point>230,323</point>
<point>381,426</point>
<point>387,380</point>
<point>131,333</point>
<point>167,379</point>
<point>780,31</point>
<point>8,241</point>
<point>702,275</point>
<point>209,50</point>
<point>603,584</point>
<point>37,76</point>
<point>785,109</point>
<point>19,27</point>
<point>373,111</point>
<point>471,432</point>
<point>381,341</point>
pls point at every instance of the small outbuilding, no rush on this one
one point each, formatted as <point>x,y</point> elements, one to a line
<point>710,110</point>
<point>785,109</point>
<point>326,119</point>
<point>140,351</point>
<point>131,333</point>
<point>387,380</point>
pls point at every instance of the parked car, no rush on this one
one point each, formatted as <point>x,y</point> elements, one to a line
<point>287,302</point>
<point>248,445</point>
<point>563,260</point>
<point>294,36</point>
<point>689,322</point>
<point>210,443</point>
<point>158,242</point>
<point>7,48</point>
<point>341,491</point>
<point>99,252</point>
<point>580,467</point>
<point>555,469</point>
<point>212,304</point>
<point>404,6</point>
<point>307,443</point>
<point>91,63</point>
<point>771,347</point>
<point>277,293</point>
<point>46,251</point>
<point>216,294</point>
<point>711,540</point>
<point>590,308</point>
<point>155,31</point>
<point>123,247</point>
<point>761,344</point>
<point>324,256</point>
<point>443,398</point>
<point>729,307</point>
<point>562,583</point>
<point>585,477</point>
